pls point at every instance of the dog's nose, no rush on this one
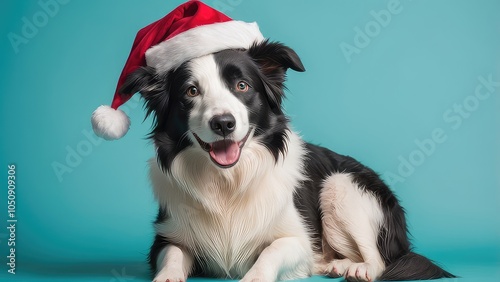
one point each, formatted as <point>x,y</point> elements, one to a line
<point>223,125</point>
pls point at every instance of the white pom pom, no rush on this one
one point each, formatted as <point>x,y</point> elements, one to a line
<point>109,123</point>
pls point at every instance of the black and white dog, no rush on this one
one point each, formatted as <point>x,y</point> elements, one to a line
<point>242,196</point>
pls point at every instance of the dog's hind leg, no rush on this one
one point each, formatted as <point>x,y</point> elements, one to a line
<point>351,218</point>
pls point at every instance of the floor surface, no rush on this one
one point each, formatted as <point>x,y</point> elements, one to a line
<point>138,272</point>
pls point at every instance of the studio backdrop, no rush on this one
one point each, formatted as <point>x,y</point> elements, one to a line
<point>410,88</point>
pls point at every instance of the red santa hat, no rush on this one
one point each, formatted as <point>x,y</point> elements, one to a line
<point>191,30</point>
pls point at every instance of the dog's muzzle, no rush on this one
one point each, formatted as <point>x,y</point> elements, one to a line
<point>226,152</point>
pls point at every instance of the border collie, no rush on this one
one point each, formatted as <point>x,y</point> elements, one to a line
<point>241,195</point>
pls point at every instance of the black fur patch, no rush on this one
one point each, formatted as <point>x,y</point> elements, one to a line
<point>164,98</point>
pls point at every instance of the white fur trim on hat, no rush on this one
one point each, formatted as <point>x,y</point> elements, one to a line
<point>200,41</point>
<point>109,123</point>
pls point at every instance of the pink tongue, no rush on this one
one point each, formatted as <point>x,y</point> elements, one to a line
<point>225,152</point>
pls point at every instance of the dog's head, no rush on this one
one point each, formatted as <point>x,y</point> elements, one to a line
<point>218,102</point>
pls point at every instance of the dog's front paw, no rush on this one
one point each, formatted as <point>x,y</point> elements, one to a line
<point>361,272</point>
<point>337,268</point>
<point>170,275</point>
<point>256,276</point>
<point>254,279</point>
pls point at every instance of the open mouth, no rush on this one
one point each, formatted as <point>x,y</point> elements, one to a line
<point>224,153</point>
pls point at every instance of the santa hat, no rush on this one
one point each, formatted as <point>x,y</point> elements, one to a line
<point>191,30</point>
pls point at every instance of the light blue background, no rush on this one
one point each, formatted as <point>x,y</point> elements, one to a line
<point>94,223</point>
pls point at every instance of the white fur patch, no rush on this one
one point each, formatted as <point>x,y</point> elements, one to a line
<point>215,99</point>
<point>174,264</point>
<point>352,218</point>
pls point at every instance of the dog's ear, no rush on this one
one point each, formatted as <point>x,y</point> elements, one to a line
<point>142,80</point>
<point>274,59</point>
<point>151,86</point>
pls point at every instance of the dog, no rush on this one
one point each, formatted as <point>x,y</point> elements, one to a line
<point>242,196</point>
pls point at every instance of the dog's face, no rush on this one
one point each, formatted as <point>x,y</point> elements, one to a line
<point>218,102</point>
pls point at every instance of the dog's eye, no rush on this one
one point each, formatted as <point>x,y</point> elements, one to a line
<point>242,86</point>
<point>192,91</point>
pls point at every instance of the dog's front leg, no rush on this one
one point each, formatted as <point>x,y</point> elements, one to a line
<point>174,265</point>
<point>286,258</point>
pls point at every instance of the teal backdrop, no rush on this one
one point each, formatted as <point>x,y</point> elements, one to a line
<point>410,88</point>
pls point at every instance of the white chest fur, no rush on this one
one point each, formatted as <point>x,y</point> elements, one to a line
<point>226,217</point>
